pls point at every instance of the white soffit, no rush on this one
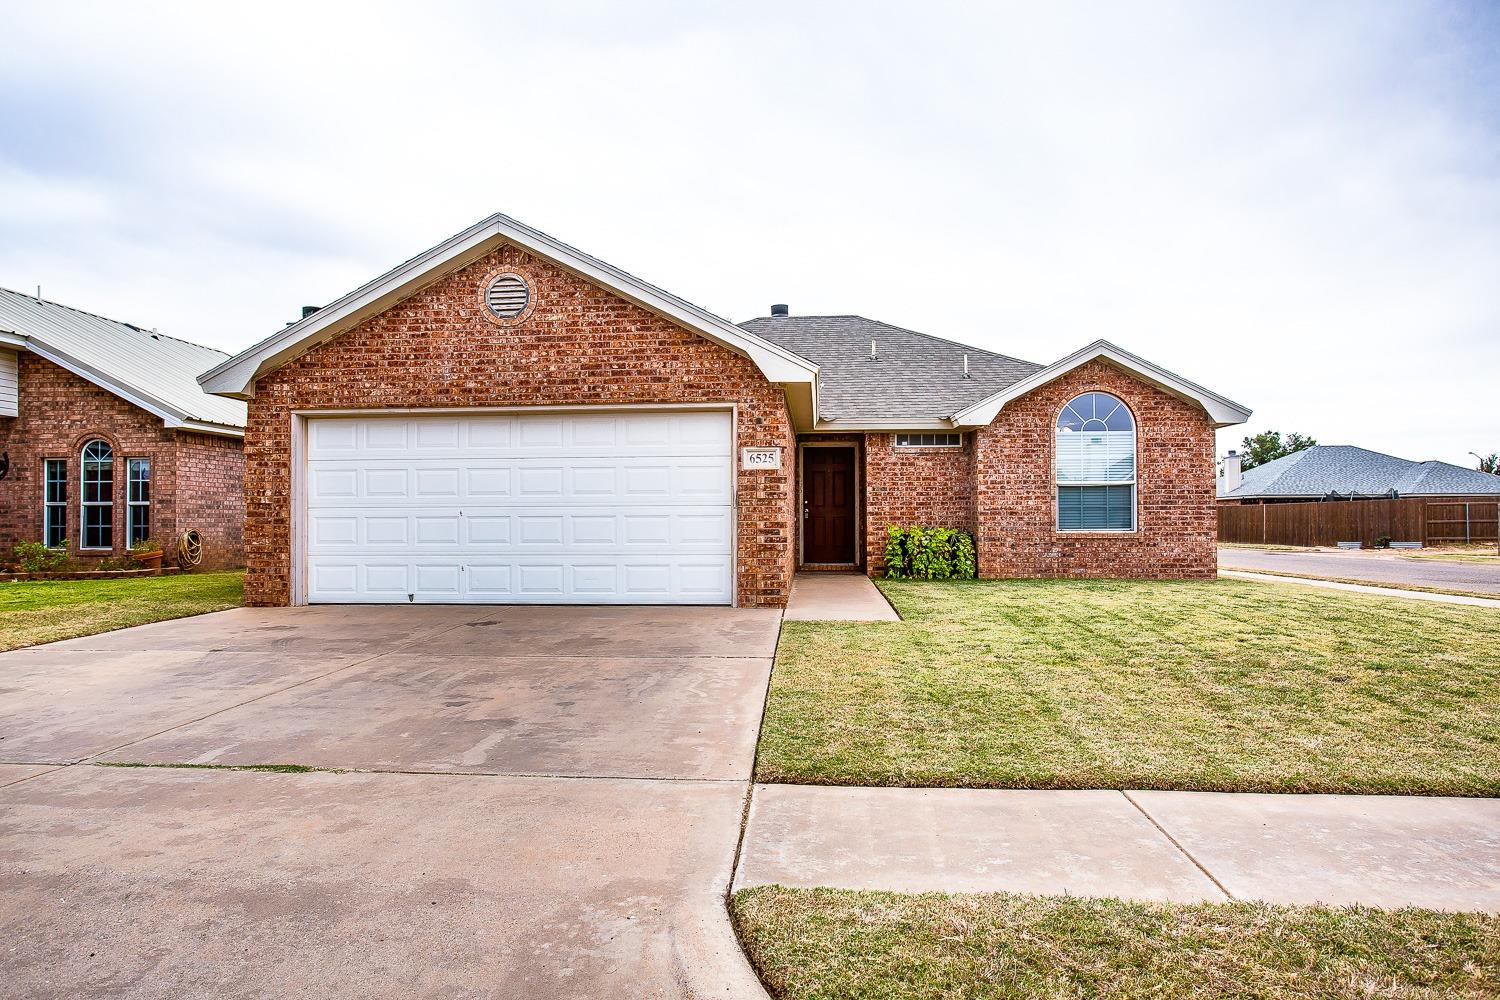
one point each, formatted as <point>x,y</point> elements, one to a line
<point>1223,412</point>
<point>236,376</point>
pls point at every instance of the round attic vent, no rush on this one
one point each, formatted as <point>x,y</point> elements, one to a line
<point>507,296</point>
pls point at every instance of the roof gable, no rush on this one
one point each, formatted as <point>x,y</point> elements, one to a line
<point>236,376</point>
<point>1222,411</point>
<point>153,371</point>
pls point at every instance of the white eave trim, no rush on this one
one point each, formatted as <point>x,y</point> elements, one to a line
<point>848,424</point>
<point>1223,412</point>
<point>236,376</point>
<point>171,418</point>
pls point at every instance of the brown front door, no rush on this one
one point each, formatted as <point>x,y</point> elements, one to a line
<point>828,505</point>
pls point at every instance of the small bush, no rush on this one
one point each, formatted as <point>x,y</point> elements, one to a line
<point>146,545</point>
<point>34,557</point>
<point>919,553</point>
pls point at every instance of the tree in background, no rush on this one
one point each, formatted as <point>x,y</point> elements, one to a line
<point>1488,463</point>
<point>1268,446</point>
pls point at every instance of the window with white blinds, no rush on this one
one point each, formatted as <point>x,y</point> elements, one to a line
<point>1095,465</point>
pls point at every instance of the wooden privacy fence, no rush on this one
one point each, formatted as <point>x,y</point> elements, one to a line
<point>1451,521</point>
<point>1431,522</point>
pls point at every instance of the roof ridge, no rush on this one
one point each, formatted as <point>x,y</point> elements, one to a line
<point>110,319</point>
<point>892,326</point>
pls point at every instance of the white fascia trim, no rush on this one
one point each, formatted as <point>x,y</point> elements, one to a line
<point>887,424</point>
<point>1223,412</point>
<point>236,376</point>
<point>203,427</point>
<point>170,417</point>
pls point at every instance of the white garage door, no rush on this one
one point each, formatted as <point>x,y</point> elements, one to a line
<point>603,508</point>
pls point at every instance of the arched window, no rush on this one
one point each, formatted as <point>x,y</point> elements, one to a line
<point>1095,465</point>
<point>98,496</point>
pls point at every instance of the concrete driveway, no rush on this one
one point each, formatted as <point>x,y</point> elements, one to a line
<point>508,802</point>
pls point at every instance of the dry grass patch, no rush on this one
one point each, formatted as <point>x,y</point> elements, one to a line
<point>1226,685</point>
<point>821,944</point>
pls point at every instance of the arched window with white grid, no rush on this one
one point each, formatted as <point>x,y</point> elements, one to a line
<point>1096,464</point>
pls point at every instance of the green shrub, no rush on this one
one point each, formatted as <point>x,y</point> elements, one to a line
<point>919,553</point>
<point>34,557</point>
<point>897,563</point>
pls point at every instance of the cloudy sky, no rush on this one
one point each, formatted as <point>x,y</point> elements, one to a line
<point>1295,204</point>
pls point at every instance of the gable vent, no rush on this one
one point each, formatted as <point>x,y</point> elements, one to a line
<point>507,296</point>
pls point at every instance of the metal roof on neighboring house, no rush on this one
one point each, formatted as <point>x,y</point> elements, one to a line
<point>1345,470</point>
<point>914,375</point>
<point>152,370</point>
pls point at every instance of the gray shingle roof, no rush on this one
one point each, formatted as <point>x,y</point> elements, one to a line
<point>156,368</point>
<point>1349,471</point>
<point>917,376</point>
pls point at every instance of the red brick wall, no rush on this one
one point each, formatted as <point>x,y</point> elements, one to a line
<point>578,344</point>
<point>1016,502</point>
<point>60,412</point>
<point>932,487</point>
<point>211,496</point>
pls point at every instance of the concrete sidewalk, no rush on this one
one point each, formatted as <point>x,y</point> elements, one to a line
<point>1367,566</point>
<point>1389,851</point>
<point>837,597</point>
<point>1360,588</point>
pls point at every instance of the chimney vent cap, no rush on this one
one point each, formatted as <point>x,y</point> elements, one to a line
<point>780,309</point>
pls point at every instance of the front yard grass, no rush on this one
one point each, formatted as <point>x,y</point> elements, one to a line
<point>37,611</point>
<point>1224,685</point>
<point>821,944</point>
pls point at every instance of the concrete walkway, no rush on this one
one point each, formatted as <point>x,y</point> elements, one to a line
<point>1387,851</point>
<point>1359,588</point>
<point>837,597</point>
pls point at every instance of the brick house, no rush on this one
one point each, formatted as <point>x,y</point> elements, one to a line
<point>106,437</point>
<point>506,419</point>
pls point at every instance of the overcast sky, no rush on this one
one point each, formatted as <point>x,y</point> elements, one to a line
<point>1297,205</point>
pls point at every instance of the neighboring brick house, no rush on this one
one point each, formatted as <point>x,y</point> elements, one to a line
<point>106,437</point>
<point>506,419</point>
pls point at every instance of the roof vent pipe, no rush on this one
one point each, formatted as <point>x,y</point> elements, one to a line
<point>966,366</point>
<point>780,309</point>
<point>874,352</point>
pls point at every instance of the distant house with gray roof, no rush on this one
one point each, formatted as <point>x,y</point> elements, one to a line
<point>107,440</point>
<point>1344,472</point>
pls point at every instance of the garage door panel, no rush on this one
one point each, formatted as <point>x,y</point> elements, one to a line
<point>688,434</point>
<point>385,579</point>
<point>537,508</point>
<point>611,531</point>
<point>640,480</point>
<point>530,579</point>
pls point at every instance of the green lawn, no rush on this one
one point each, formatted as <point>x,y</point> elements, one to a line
<point>33,612</point>
<point>829,943</point>
<point>1224,685</point>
